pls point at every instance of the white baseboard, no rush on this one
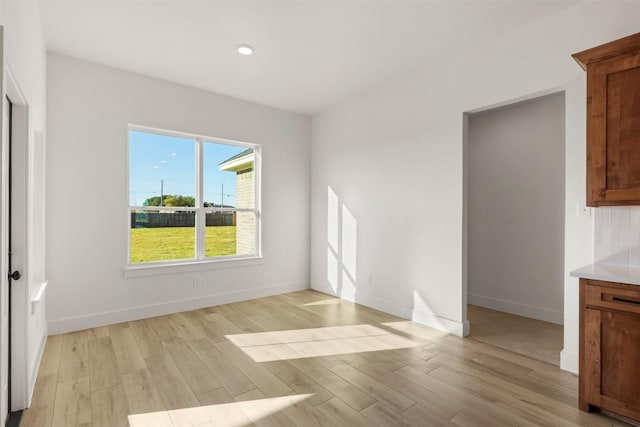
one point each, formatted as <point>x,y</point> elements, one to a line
<point>460,329</point>
<point>540,313</point>
<point>78,323</point>
<point>569,361</point>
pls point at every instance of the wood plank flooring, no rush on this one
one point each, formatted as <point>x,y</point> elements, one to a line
<point>534,338</point>
<point>299,359</point>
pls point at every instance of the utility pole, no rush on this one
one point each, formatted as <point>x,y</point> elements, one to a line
<point>161,191</point>
<point>222,197</point>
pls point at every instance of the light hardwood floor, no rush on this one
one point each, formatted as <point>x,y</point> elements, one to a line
<point>531,337</point>
<point>300,359</point>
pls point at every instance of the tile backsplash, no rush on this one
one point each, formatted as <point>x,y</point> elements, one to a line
<point>617,235</point>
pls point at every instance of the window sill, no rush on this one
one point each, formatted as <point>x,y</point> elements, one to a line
<point>188,266</point>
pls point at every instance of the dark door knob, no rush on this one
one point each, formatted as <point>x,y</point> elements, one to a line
<point>15,275</point>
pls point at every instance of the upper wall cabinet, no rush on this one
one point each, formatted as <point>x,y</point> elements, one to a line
<point>613,122</point>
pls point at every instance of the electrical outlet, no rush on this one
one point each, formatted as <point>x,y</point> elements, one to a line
<point>196,282</point>
<point>583,209</point>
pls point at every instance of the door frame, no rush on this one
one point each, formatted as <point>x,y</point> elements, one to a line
<point>465,189</point>
<point>20,292</point>
<point>5,406</point>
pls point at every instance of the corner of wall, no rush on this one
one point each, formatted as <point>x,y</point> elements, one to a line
<point>569,362</point>
<point>460,329</point>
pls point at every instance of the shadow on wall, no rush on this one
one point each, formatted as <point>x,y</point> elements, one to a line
<point>342,250</point>
<point>342,242</point>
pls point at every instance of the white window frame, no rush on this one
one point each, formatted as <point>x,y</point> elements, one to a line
<point>200,260</point>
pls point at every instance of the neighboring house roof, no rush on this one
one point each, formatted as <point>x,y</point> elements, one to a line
<point>239,162</point>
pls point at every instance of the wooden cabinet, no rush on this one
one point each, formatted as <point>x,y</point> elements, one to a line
<point>613,122</point>
<point>610,347</point>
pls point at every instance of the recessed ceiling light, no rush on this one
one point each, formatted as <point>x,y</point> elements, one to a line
<point>245,49</point>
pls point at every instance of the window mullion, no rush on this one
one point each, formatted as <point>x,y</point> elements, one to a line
<point>200,213</point>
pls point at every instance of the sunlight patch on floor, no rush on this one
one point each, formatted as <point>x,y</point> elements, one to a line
<point>235,414</point>
<point>316,342</point>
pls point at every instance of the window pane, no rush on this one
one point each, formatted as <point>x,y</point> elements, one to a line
<point>230,233</point>
<point>246,233</point>
<point>160,236</point>
<point>228,175</point>
<point>221,234</point>
<point>161,170</point>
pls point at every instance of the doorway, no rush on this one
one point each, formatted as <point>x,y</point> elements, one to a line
<point>515,174</point>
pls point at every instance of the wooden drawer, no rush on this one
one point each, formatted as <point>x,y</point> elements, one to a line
<point>612,296</point>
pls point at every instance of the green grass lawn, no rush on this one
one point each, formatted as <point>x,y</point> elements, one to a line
<point>159,244</point>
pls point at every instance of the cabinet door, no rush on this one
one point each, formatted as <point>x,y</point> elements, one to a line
<point>612,361</point>
<point>621,358</point>
<point>613,139</point>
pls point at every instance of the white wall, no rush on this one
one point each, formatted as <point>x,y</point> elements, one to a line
<point>90,106</point>
<point>516,208</point>
<point>393,157</point>
<point>26,60</point>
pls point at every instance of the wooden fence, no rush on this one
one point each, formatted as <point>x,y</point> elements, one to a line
<point>179,219</point>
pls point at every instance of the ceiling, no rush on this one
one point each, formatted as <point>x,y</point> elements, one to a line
<point>309,54</point>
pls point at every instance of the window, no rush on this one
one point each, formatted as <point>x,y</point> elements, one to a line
<point>191,198</point>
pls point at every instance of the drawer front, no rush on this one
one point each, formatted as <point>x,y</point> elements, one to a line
<point>619,297</point>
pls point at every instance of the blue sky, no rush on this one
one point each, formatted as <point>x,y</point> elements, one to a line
<point>154,157</point>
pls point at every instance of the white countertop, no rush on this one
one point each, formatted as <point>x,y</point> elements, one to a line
<point>629,274</point>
